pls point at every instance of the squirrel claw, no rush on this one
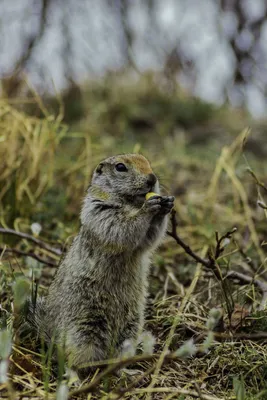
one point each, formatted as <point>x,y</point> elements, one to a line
<point>159,204</point>
<point>153,204</point>
<point>167,203</point>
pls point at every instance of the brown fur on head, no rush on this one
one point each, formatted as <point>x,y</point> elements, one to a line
<point>125,175</point>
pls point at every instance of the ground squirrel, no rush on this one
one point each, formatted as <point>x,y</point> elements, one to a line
<point>97,298</point>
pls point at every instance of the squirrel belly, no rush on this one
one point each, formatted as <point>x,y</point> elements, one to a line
<point>97,298</point>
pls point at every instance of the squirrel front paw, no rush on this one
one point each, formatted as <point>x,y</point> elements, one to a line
<point>153,204</point>
<point>159,204</point>
<point>167,203</point>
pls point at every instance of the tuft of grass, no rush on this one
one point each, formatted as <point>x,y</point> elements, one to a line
<point>28,148</point>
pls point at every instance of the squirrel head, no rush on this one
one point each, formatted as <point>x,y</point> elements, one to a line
<point>127,175</point>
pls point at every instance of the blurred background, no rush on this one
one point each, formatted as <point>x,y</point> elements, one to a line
<point>216,50</point>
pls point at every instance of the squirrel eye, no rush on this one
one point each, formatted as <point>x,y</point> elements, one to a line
<point>121,167</point>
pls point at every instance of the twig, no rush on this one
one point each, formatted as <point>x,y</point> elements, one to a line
<point>112,368</point>
<point>31,42</point>
<point>211,262</point>
<point>244,279</point>
<point>28,254</point>
<point>181,243</point>
<point>39,242</point>
<point>219,242</point>
<point>260,184</point>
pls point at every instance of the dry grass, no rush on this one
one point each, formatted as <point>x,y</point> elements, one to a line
<point>46,169</point>
<point>27,152</point>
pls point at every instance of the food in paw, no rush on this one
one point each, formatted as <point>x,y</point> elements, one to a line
<point>151,194</point>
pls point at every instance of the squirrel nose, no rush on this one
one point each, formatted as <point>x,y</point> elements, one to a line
<point>151,180</point>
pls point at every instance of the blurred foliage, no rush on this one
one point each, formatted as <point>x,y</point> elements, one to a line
<point>145,107</point>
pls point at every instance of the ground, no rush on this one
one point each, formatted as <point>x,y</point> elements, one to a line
<point>213,164</point>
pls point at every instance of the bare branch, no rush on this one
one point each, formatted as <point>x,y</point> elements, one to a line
<point>28,254</point>
<point>211,262</point>
<point>219,240</point>
<point>13,82</point>
<point>39,242</point>
<point>32,41</point>
<point>181,243</point>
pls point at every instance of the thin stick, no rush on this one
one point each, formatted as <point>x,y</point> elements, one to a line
<point>39,242</point>
<point>181,243</point>
<point>211,262</point>
<point>117,364</point>
<point>28,254</point>
<point>260,184</point>
<point>219,240</point>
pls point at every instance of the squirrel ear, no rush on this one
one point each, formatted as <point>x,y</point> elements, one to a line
<point>99,169</point>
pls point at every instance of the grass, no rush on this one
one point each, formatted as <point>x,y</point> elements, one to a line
<point>46,169</point>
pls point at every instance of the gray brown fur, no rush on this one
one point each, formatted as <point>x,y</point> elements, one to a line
<point>98,296</point>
